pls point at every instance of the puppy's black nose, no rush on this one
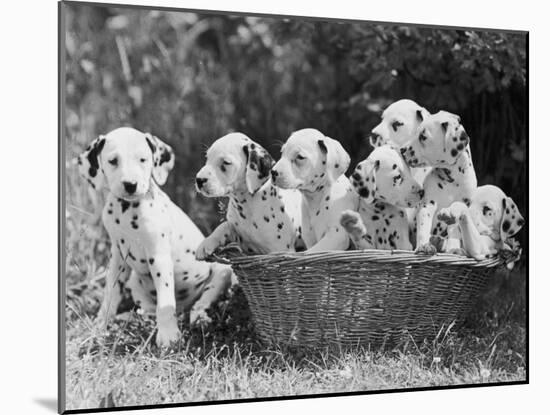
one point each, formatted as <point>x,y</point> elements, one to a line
<point>274,174</point>
<point>130,187</point>
<point>421,193</point>
<point>200,181</point>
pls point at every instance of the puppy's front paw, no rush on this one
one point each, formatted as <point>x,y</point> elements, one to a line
<point>426,249</point>
<point>168,334</point>
<point>206,249</point>
<point>103,317</point>
<point>438,242</point>
<point>458,251</point>
<point>463,218</point>
<point>351,222</point>
<point>445,215</point>
<point>199,317</point>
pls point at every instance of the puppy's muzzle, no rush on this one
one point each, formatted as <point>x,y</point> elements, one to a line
<point>200,181</point>
<point>130,187</point>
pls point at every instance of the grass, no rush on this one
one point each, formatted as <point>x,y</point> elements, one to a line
<point>121,366</point>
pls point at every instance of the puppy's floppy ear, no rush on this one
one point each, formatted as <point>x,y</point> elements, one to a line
<point>421,114</point>
<point>511,221</point>
<point>375,140</point>
<point>336,158</point>
<point>163,158</point>
<point>456,139</point>
<point>88,163</point>
<point>258,166</point>
<point>371,168</point>
<point>364,182</point>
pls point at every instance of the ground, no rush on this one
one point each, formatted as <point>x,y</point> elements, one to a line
<point>121,365</point>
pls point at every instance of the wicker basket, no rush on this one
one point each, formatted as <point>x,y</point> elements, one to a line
<point>357,298</point>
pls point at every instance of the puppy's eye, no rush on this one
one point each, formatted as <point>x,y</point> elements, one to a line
<point>113,162</point>
<point>300,157</point>
<point>397,179</point>
<point>422,137</point>
<point>396,124</point>
<point>142,160</point>
<point>224,164</point>
<point>486,209</point>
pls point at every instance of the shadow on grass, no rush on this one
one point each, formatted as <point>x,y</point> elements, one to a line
<point>231,327</point>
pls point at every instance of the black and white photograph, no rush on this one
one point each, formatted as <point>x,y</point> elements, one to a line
<point>266,206</point>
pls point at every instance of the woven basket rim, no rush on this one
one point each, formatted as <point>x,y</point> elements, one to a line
<point>232,254</point>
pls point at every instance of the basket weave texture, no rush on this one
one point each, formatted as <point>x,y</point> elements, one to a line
<point>357,298</point>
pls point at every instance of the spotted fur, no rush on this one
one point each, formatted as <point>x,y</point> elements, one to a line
<point>485,226</point>
<point>315,165</point>
<point>399,124</point>
<point>442,144</point>
<point>153,241</point>
<point>387,188</point>
<point>260,216</point>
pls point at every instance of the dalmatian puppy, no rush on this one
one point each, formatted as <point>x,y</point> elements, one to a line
<point>261,217</point>
<point>315,165</point>
<point>153,242</point>
<point>387,188</point>
<point>400,124</point>
<point>484,227</point>
<point>444,145</point>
